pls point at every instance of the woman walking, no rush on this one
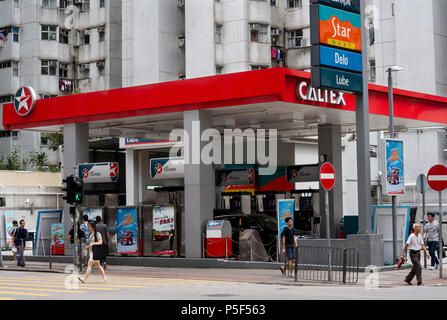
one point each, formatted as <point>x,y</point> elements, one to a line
<point>94,244</point>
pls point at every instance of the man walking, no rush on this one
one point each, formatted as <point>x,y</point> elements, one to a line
<point>19,240</point>
<point>84,239</point>
<point>431,233</point>
<point>104,231</point>
<point>289,243</point>
<point>415,243</point>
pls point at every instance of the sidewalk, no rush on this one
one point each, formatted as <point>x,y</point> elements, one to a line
<point>386,279</point>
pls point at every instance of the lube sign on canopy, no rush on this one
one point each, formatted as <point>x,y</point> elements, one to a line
<point>336,36</point>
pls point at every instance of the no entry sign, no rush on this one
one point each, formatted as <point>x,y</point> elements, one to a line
<point>327,176</point>
<point>437,177</point>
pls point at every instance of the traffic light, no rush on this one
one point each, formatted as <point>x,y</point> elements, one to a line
<point>68,189</point>
<point>78,191</point>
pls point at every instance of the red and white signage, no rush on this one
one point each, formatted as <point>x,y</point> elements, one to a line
<point>24,101</point>
<point>327,176</point>
<point>437,177</point>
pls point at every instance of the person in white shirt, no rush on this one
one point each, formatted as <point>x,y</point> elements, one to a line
<point>415,243</point>
<point>431,233</point>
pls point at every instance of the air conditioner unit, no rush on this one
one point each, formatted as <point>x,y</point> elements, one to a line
<point>181,41</point>
<point>256,26</point>
<point>181,3</point>
<point>85,66</point>
<point>100,64</point>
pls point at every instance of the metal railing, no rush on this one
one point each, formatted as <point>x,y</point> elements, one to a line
<point>312,264</point>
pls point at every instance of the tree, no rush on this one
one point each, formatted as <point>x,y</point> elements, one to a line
<point>55,140</point>
<point>13,161</point>
<point>38,159</point>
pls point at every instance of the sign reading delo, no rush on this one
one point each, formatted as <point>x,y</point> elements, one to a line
<point>336,58</point>
<point>98,172</point>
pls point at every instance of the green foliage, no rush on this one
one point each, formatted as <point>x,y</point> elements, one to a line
<point>13,161</point>
<point>55,140</point>
<point>38,159</point>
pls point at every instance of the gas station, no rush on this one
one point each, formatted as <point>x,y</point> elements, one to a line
<point>277,98</point>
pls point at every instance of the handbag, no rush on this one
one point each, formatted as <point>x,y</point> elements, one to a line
<point>99,252</point>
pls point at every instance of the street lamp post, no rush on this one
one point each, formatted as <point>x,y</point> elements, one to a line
<point>391,129</point>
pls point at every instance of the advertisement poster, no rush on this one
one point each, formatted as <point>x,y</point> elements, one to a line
<point>163,230</point>
<point>93,213</point>
<point>394,167</point>
<point>127,231</point>
<point>285,209</point>
<point>9,218</point>
<point>57,238</point>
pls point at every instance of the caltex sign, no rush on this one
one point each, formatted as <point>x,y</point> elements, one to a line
<point>98,172</point>
<point>24,101</point>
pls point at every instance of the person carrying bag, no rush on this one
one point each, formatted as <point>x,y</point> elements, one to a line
<point>96,253</point>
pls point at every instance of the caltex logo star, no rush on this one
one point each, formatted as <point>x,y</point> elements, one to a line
<point>24,101</point>
<point>159,168</point>
<point>113,170</point>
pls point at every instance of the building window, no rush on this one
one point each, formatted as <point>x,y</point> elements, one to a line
<point>63,4</point>
<point>102,34</point>
<point>85,5</point>
<point>259,33</point>
<point>63,35</point>
<point>15,34</point>
<point>47,96</point>
<point>6,99</point>
<point>101,3</point>
<point>49,33</point>
<point>63,70</point>
<point>257,67</point>
<point>43,139</point>
<point>16,4</point>
<point>84,69</point>
<point>372,70</point>
<point>273,2</point>
<point>85,37</point>
<point>218,34</point>
<point>48,67</point>
<point>5,64</point>
<point>219,69</point>
<point>295,39</point>
<point>49,3</point>
<point>294,3</point>
<point>15,68</point>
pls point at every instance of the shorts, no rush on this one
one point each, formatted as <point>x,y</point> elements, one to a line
<point>84,249</point>
<point>290,253</point>
<point>91,257</point>
<point>14,249</point>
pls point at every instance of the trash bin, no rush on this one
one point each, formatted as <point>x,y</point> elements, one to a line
<point>218,239</point>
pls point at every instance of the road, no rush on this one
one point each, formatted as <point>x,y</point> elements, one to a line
<point>49,286</point>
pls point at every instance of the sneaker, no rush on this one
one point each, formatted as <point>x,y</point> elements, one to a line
<point>432,268</point>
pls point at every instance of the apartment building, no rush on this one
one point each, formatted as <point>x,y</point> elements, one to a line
<point>58,47</point>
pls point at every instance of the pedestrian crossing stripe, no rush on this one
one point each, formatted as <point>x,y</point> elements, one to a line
<point>25,293</point>
<point>48,285</point>
<point>4,299</point>
<point>116,281</point>
<point>49,290</point>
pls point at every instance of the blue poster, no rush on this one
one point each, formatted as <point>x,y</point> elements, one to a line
<point>286,209</point>
<point>127,230</point>
<point>394,167</point>
<point>9,218</point>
